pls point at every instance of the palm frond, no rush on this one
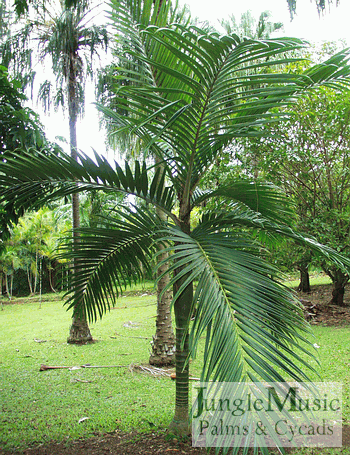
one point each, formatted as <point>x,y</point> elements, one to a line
<point>239,217</point>
<point>228,88</point>
<point>260,197</point>
<point>254,327</point>
<point>108,259</point>
<point>30,180</point>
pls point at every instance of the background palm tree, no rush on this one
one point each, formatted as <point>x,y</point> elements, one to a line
<point>247,27</point>
<point>130,145</point>
<point>189,100</point>
<point>71,41</point>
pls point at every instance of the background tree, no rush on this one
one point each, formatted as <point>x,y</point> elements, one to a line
<point>71,42</point>
<point>30,248</point>
<point>20,129</point>
<point>247,27</point>
<point>309,157</point>
<point>320,4</point>
<point>130,145</point>
<point>23,5</point>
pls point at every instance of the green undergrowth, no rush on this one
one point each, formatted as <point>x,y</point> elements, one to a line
<point>39,406</point>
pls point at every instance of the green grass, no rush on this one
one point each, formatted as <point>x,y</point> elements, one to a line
<point>39,406</point>
<point>36,407</point>
<point>316,279</point>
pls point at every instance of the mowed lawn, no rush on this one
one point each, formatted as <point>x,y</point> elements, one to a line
<point>61,405</point>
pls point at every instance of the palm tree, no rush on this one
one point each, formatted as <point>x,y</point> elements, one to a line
<point>71,42</point>
<point>248,27</point>
<point>162,14</point>
<point>189,100</point>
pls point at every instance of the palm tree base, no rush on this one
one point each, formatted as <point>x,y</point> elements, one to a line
<point>163,352</point>
<point>79,332</point>
<point>181,427</point>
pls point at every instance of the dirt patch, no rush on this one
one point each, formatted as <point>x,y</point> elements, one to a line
<point>132,444</point>
<point>318,310</point>
<point>117,444</point>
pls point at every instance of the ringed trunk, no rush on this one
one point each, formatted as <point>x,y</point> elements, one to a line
<point>163,345</point>
<point>79,330</point>
<point>180,424</point>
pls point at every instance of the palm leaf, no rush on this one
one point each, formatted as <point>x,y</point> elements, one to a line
<point>260,197</point>
<point>240,217</point>
<point>228,87</point>
<point>108,259</point>
<point>254,327</point>
<point>29,181</point>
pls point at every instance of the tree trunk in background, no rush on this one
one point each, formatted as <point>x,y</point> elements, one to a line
<point>339,279</point>
<point>1,278</point>
<point>339,288</point>
<point>338,294</point>
<point>304,285</point>
<point>163,344</point>
<point>79,330</point>
<point>29,281</point>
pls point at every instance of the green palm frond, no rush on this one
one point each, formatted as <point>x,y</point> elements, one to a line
<point>108,259</point>
<point>228,88</point>
<point>254,327</point>
<point>29,181</point>
<point>260,197</point>
<point>240,217</point>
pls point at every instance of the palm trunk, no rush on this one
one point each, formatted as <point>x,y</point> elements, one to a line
<point>29,281</point>
<point>40,280</point>
<point>50,270</point>
<point>11,292</point>
<point>36,272</point>
<point>180,424</point>
<point>163,345</point>
<point>7,287</point>
<point>1,278</point>
<point>79,330</point>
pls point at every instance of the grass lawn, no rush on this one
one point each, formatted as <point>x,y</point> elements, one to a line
<point>36,407</point>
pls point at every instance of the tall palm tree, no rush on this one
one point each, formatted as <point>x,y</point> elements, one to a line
<point>163,13</point>
<point>189,101</point>
<point>69,39</point>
